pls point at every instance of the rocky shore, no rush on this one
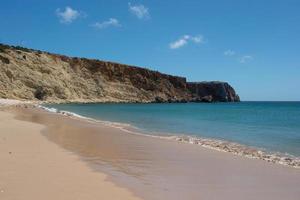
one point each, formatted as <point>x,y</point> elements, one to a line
<point>28,74</point>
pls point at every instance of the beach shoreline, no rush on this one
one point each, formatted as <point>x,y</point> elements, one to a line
<point>148,167</point>
<point>211,143</point>
<point>32,167</point>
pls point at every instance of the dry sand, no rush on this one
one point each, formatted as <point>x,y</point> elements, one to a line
<point>151,168</point>
<point>9,102</point>
<point>33,168</point>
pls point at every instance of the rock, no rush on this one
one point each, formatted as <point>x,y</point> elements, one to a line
<point>159,100</point>
<point>41,93</point>
<point>213,91</point>
<point>31,74</point>
<point>207,99</point>
<point>4,60</point>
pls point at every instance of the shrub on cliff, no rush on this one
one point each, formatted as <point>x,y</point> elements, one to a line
<point>41,93</point>
<point>3,47</point>
<point>4,60</point>
<point>23,49</point>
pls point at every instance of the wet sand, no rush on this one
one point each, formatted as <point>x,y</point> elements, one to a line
<point>154,168</point>
<point>33,168</point>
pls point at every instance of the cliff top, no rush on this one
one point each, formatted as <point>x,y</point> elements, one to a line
<point>38,75</point>
<point>4,47</point>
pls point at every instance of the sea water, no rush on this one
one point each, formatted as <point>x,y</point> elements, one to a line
<point>272,126</point>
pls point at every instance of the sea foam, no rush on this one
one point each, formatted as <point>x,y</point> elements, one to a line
<point>215,144</point>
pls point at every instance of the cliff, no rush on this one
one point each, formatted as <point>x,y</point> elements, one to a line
<point>212,92</point>
<point>35,75</point>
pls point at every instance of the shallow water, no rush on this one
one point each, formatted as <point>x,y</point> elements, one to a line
<point>274,126</point>
<point>160,169</point>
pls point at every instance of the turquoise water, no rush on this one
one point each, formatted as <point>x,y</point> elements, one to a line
<point>273,126</point>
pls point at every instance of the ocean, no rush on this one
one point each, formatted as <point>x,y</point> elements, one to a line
<point>271,126</point>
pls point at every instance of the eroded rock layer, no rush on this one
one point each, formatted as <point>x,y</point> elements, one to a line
<point>35,75</point>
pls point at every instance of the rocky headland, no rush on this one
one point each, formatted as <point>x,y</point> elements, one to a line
<point>28,74</point>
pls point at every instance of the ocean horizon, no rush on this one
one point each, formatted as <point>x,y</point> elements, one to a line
<point>272,126</point>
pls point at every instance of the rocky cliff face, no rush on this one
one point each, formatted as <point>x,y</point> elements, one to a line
<point>212,92</point>
<point>35,75</point>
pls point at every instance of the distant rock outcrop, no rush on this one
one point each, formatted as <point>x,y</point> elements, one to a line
<point>35,75</point>
<point>212,91</point>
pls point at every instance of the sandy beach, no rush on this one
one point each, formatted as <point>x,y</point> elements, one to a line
<point>149,100</point>
<point>51,156</point>
<point>34,168</point>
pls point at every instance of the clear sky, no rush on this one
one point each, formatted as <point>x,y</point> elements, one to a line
<point>252,44</point>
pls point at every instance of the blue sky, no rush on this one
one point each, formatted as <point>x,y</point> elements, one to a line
<point>254,44</point>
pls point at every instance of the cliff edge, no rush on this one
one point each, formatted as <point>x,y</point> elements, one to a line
<point>29,74</point>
